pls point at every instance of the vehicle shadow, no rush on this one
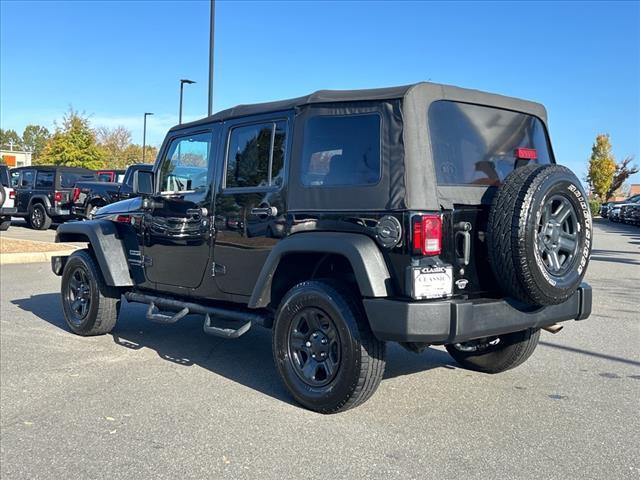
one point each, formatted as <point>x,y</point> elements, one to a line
<point>247,360</point>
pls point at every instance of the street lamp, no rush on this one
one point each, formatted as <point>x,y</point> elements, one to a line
<point>182,82</point>
<point>212,22</point>
<point>144,134</point>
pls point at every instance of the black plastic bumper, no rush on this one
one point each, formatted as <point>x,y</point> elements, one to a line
<point>452,321</point>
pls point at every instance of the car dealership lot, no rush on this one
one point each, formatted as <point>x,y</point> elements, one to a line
<point>153,401</point>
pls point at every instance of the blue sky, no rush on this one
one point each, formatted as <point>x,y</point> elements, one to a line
<point>116,60</point>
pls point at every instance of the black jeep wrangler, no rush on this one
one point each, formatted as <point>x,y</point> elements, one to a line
<point>424,214</point>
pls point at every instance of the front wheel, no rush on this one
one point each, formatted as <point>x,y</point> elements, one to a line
<point>90,306</point>
<point>495,354</point>
<point>324,349</point>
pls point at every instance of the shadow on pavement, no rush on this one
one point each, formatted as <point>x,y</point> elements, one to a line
<point>247,360</point>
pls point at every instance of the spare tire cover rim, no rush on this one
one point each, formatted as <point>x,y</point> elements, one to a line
<point>558,235</point>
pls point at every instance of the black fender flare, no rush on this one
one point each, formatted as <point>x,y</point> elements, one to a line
<point>42,199</point>
<point>361,251</point>
<point>106,243</point>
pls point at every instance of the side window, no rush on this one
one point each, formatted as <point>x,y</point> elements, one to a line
<point>341,150</point>
<point>26,180</point>
<point>44,179</point>
<point>255,156</point>
<point>15,179</point>
<point>185,166</point>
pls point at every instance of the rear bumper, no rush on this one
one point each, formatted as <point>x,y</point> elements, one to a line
<point>8,211</point>
<point>61,212</point>
<point>453,321</point>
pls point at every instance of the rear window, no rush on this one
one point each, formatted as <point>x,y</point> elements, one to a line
<point>476,145</point>
<point>341,150</point>
<point>69,179</point>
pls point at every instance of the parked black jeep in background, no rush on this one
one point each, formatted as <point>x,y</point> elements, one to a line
<point>88,197</point>
<point>43,193</point>
<point>425,215</point>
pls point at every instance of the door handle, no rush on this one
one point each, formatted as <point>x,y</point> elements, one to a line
<point>265,211</point>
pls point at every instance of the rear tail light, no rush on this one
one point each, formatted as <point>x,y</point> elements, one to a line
<point>427,235</point>
<point>76,193</point>
<point>12,194</point>
<point>57,196</point>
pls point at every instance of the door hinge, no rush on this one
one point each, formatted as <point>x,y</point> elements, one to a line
<point>218,269</point>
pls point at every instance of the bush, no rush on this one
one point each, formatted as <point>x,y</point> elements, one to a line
<point>594,205</point>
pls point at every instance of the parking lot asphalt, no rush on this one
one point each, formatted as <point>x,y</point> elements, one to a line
<point>20,231</point>
<point>153,401</point>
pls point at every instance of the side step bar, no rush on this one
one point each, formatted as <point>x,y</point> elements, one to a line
<point>229,323</point>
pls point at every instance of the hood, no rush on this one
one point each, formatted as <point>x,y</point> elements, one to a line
<point>123,206</point>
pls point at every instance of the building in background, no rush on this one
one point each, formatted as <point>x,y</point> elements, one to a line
<point>634,189</point>
<point>14,158</point>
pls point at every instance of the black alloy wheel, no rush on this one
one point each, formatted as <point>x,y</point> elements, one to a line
<point>558,231</point>
<point>314,347</point>
<point>78,295</point>
<point>323,347</point>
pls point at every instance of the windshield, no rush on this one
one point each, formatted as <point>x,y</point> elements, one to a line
<point>478,145</point>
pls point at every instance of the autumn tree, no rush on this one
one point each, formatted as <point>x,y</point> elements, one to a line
<point>623,171</point>
<point>73,144</point>
<point>602,167</point>
<point>35,138</point>
<point>118,149</point>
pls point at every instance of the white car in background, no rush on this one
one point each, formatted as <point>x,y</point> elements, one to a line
<point>7,198</point>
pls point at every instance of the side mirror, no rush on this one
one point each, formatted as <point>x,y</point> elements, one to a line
<point>143,182</point>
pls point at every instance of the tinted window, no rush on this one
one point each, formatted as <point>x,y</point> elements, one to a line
<point>4,177</point>
<point>44,180</point>
<point>105,177</point>
<point>476,145</point>
<point>341,150</point>
<point>255,157</point>
<point>26,179</point>
<point>69,179</point>
<point>185,166</point>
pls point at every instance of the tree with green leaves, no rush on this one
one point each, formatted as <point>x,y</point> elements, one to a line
<point>602,167</point>
<point>34,139</point>
<point>118,149</point>
<point>10,137</point>
<point>73,144</point>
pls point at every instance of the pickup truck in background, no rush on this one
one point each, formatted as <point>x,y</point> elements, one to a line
<point>88,197</point>
<point>110,175</point>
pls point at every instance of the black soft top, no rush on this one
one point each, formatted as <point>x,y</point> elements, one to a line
<point>408,174</point>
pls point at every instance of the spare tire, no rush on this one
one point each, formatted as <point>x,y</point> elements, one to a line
<point>539,234</point>
<point>3,195</point>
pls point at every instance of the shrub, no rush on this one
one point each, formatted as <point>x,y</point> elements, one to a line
<point>594,205</point>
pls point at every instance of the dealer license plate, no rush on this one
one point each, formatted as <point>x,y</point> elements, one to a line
<point>432,282</point>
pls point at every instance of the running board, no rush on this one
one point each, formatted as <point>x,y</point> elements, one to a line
<point>218,321</point>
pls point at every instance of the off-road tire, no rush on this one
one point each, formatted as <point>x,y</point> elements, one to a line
<point>3,195</point>
<point>512,350</point>
<point>39,219</point>
<point>514,234</point>
<point>104,304</point>
<point>4,225</point>
<point>362,356</point>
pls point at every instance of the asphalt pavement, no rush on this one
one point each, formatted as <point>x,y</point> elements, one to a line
<point>20,231</point>
<point>154,401</point>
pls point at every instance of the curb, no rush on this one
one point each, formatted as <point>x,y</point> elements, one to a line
<point>30,257</point>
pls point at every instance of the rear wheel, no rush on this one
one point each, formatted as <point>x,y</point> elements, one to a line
<point>5,223</point>
<point>91,211</point>
<point>38,217</point>
<point>324,349</point>
<point>90,306</point>
<point>495,354</point>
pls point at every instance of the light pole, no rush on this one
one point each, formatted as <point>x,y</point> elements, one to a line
<point>144,134</point>
<point>212,21</point>
<point>182,82</point>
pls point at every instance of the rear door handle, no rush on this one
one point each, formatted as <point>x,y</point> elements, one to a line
<point>265,211</point>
